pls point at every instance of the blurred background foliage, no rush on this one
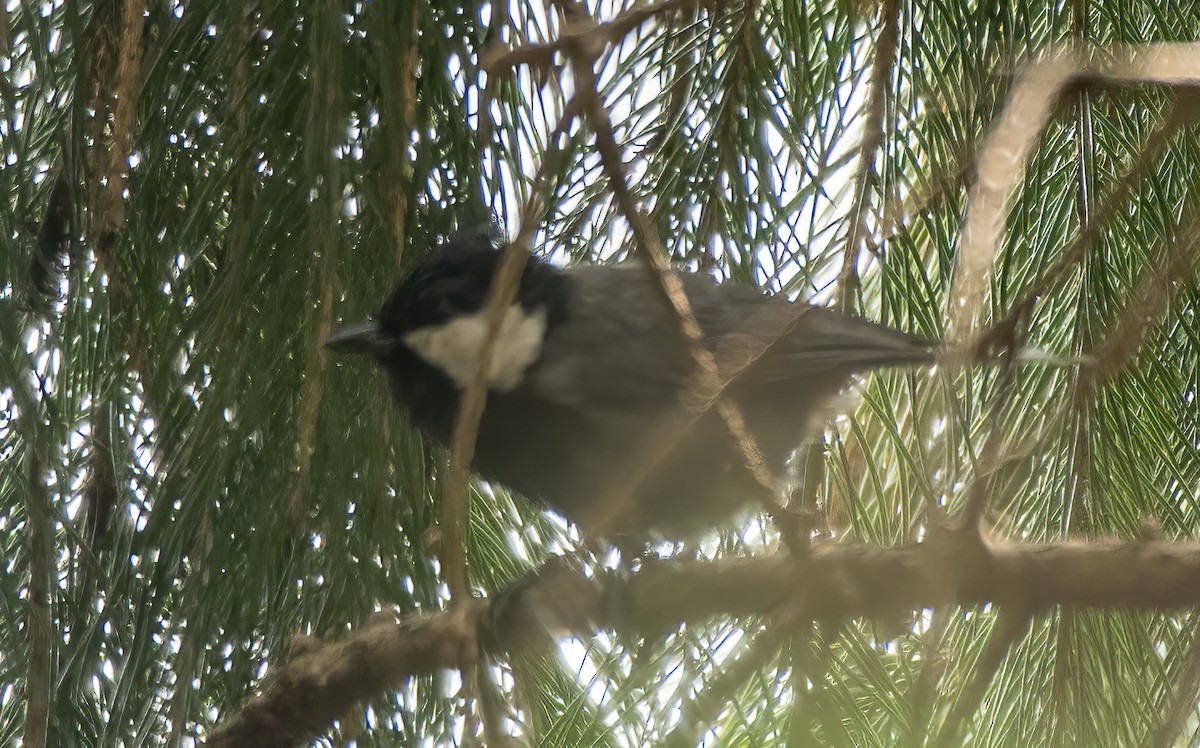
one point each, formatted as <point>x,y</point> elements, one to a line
<point>194,193</point>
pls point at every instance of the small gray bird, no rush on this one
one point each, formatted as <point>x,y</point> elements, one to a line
<point>586,409</point>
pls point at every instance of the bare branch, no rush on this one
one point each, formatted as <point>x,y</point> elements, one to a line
<point>1160,284</point>
<point>709,382</point>
<point>707,705</point>
<point>311,395</point>
<point>128,87</point>
<point>501,294</point>
<point>499,60</point>
<point>1001,165</point>
<point>321,127</point>
<point>921,695</point>
<point>466,427</point>
<point>400,105</point>
<point>322,682</point>
<point>1110,206</point>
<point>990,457</point>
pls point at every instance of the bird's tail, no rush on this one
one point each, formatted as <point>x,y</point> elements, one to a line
<point>822,341</point>
<point>834,342</point>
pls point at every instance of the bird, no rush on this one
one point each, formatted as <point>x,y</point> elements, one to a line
<point>590,406</point>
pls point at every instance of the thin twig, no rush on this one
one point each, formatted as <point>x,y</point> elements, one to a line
<point>400,182</point>
<point>1183,698</point>
<point>920,696</point>
<point>462,445</point>
<point>990,458</point>
<point>1110,206</point>
<point>500,60</point>
<point>1160,285</point>
<point>706,706</point>
<point>708,384</point>
<point>37,631</point>
<point>311,395</point>
<point>466,428</point>
<point>872,141</point>
<point>1001,162</point>
<point>1010,627</point>
<point>813,667</point>
<point>1060,677</point>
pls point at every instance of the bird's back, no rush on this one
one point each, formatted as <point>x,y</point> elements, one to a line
<point>615,368</point>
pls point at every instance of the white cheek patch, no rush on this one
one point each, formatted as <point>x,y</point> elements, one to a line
<point>454,346</point>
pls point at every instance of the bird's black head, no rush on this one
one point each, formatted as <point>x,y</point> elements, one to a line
<point>448,282</point>
<point>428,333</point>
<point>454,280</point>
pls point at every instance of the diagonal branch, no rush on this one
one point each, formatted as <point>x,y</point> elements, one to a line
<point>583,54</point>
<point>1183,700</point>
<point>499,60</point>
<point>706,706</point>
<point>1011,626</point>
<point>1148,154</point>
<point>1162,281</point>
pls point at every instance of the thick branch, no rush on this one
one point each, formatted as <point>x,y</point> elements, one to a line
<point>836,581</point>
<point>322,681</point>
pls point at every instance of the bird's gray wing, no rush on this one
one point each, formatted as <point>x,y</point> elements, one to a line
<point>620,347</point>
<point>617,348</point>
<point>808,342</point>
<point>777,341</point>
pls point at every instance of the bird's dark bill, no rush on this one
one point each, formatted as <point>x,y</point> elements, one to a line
<point>360,337</point>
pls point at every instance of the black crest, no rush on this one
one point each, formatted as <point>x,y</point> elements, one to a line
<point>454,279</point>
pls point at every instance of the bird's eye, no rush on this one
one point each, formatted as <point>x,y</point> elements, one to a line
<point>450,299</point>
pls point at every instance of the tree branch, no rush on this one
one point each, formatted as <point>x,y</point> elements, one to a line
<point>1011,626</point>
<point>323,681</point>
<point>501,294</point>
<point>874,132</point>
<point>836,582</point>
<point>709,383</point>
<point>1182,702</point>
<point>499,60</point>
<point>38,634</point>
<point>1001,161</point>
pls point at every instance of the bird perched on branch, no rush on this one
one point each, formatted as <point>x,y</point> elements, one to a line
<point>592,406</point>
